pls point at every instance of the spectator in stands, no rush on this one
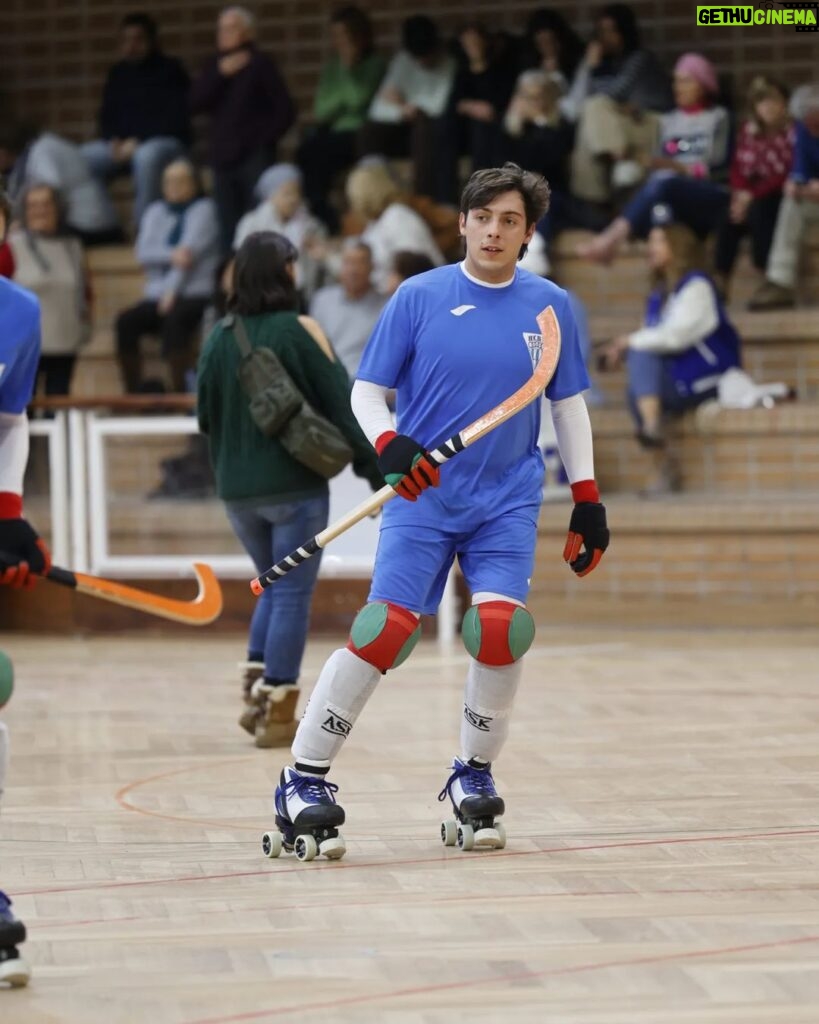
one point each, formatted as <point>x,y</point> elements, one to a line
<point>617,91</point>
<point>143,121</point>
<point>538,137</point>
<point>250,110</point>
<point>272,501</point>
<point>693,147</point>
<point>406,264</point>
<point>49,261</point>
<point>759,167</point>
<point>346,87</point>
<point>282,209</point>
<point>28,157</point>
<point>675,361</point>
<point>390,223</point>
<point>347,311</point>
<point>800,206</point>
<point>406,118</point>
<point>551,45</point>
<point>480,94</point>
<point>178,247</point>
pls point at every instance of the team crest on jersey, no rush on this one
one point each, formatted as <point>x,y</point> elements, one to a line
<point>534,342</point>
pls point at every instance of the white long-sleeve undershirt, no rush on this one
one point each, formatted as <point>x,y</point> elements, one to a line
<point>13,451</point>
<point>688,317</point>
<point>570,417</point>
<point>369,405</point>
<point>574,437</point>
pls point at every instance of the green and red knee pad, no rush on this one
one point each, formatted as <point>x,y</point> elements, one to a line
<point>494,633</point>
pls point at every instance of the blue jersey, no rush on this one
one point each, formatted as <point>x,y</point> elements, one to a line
<point>455,348</point>
<point>19,346</point>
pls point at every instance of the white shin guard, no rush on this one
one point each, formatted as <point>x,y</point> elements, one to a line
<point>488,697</point>
<point>344,686</point>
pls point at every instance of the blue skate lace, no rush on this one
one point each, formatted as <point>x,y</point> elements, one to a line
<point>311,789</point>
<point>477,782</point>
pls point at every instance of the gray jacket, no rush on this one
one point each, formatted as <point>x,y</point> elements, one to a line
<point>200,234</point>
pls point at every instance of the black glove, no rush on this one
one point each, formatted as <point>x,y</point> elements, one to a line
<point>406,465</point>
<point>22,553</point>
<point>587,528</point>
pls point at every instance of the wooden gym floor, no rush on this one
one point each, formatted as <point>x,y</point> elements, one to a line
<point>662,866</point>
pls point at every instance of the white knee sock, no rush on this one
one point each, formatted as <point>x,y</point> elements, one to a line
<point>344,686</point>
<point>488,697</point>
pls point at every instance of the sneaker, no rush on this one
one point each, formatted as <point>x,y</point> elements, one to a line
<point>770,295</point>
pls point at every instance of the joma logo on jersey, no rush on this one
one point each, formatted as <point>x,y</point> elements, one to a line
<point>534,342</point>
<point>479,721</point>
<point>336,725</point>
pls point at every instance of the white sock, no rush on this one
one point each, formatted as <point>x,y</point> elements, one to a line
<point>344,686</point>
<point>488,697</point>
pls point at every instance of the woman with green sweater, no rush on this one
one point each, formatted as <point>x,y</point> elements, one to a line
<point>348,82</point>
<point>273,502</point>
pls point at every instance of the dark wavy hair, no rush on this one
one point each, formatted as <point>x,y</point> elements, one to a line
<point>486,185</point>
<point>570,45</point>
<point>262,278</point>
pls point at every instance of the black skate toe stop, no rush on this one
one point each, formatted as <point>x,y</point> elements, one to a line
<point>320,816</point>
<point>482,807</point>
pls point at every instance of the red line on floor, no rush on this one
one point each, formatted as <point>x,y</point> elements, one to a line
<point>506,979</point>
<point>448,858</point>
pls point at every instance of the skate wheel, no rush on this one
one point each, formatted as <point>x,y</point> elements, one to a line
<point>465,837</point>
<point>449,832</point>
<point>333,849</point>
<point>501,843</point>
<point>15,972</point>
<point>272,844</point>
<point>305,847</point>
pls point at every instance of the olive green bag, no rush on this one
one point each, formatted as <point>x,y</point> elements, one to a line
<point>279,409</point>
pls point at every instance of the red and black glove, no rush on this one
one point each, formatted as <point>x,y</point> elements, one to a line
<point>405,465</point>
<point>587,529</point>
<point>23,555</point>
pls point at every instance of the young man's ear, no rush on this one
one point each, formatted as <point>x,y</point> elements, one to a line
<point>462,223</point>
<point>527,238</point>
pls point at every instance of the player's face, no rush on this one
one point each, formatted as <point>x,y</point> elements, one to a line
<point>494,235</point>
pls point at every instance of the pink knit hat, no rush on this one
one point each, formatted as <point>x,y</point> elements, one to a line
<point>695,66</point>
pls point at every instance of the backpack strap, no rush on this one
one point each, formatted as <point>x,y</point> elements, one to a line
<point>239,331</point>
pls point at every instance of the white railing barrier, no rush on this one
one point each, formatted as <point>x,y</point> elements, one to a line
<point>81,524</point>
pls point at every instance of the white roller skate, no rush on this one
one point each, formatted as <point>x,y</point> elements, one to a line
<point>307,816</point>
<point>14,971</point>
<point>476,805</point>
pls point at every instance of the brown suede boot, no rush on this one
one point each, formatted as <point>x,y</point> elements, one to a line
<point>772,296</point>
<point>251,671</point>
<point>276,724</point>
<point>665,478</point>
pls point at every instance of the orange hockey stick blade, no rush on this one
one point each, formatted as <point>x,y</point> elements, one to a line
<point>203,609</point>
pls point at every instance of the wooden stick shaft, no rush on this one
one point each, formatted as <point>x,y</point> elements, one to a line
<point>525,395</point>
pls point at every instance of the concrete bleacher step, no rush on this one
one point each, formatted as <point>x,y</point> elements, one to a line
<point>694,559</point>
<point>723,451</point>
<point>617,290</point>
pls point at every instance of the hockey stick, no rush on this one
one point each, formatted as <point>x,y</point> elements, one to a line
<point>525,395</point>
<point>203,609</point>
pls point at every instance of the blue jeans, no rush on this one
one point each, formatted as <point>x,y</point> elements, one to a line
<point>282,613</point>
<point>150,159</point>
<point>699,204</point>
<point>649,374</point>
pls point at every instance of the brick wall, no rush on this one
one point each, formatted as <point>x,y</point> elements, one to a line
<point>54,54</point>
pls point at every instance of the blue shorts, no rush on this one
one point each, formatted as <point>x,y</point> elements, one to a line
<point>413,562</point>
